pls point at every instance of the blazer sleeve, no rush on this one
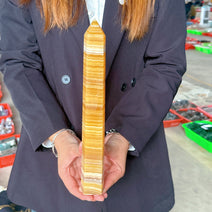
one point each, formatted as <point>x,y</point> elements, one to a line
<point>141,111</point>
<point>21,64</point>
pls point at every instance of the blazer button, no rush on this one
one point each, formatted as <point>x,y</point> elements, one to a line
<point>124,87</point>
<point>65,79</point>
<point>121,2</point>
<point>133,82</point>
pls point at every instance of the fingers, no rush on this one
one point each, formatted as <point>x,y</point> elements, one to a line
<point>73,188</point>
<point>80,148</point>
<point>73,185</point>
<point>71,177</point>
<point>69,168</point>
<point>110,180</point>
<point>112,173</point>
<point>100,198</point>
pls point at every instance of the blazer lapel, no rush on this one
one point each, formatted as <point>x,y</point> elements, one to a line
<point>112,28</point>
<point>80,28</point>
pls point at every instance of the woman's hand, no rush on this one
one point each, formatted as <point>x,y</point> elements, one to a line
<point>69,163</point>
<point>116,148</point>
<point>69,150</point>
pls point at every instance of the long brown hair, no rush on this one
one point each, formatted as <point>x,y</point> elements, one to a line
<point>135,14</point>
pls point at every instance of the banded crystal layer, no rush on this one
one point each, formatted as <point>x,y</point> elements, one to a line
<point>93,111</point>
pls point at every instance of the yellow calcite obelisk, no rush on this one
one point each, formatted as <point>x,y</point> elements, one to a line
<point>93,112</point>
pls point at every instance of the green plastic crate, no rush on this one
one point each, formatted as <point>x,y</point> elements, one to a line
<point>194,31</point>
<point>197,32</point>
<point>197,138</point>
<point>204,49</point>
<point>209,45</point>
<point>190,31</point>
<point>207,50</point>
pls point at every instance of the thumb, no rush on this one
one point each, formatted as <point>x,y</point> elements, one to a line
<point>80,148</point>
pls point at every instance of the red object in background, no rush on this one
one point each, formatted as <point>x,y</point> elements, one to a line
<point>186,120</point>
<point>189,46</point>
<point>204,110</point>
<point>190,39</point>
<point>8,160</point>
<point>195,21</point>
<point>174,122</point>
<point>9,115</point>
<point>207,34</point>
<point>0,93</point>
<point>6,107</point>
<point>198,9</point>
<point>190,42</point>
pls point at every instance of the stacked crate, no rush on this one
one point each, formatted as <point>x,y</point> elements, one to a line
<point>8,141</point>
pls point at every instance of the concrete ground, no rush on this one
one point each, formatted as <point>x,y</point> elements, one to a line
<point>191,165</point>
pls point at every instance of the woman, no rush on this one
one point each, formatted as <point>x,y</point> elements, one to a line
<point>42,57</point>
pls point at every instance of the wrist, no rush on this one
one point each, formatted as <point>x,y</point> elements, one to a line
<point>121,140</point>
<point>61,137</point>
<point>111,132</point>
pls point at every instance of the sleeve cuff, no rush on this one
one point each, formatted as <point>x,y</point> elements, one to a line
<point>131,148</point>
<point>47,144</point>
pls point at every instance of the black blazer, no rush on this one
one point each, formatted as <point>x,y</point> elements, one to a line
<point>44,75</point>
